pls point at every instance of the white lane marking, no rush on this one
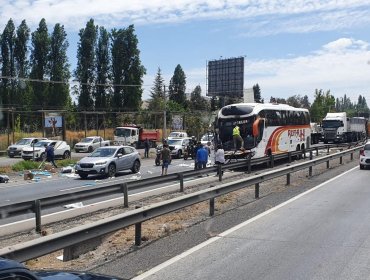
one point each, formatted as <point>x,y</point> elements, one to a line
<point>229,231</point>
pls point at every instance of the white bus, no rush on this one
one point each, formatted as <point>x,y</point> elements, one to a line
<point>267,129</point>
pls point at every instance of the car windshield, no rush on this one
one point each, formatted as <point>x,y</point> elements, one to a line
<point>87,140</point>
<point>24,142</point>
<point>174,142</point>
<point>41,144</point>
<point>175,134</point>
<point>103,152</point>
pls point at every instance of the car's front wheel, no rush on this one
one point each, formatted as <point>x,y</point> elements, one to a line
<point>136,167</point>
<point>111,170</point>
<point>362,166</point>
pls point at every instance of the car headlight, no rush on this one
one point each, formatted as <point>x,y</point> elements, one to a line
<point>101,163</point>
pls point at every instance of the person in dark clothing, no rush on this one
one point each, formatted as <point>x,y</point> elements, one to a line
<point>49,150</point>
<point>196,148</point>
<point>146,148</point>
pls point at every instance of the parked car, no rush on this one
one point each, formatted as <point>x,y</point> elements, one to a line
<point>178,146</point>
<point>89,144</point>
<point>37,152</point>
<point>365,156</point>
<point>16,149</point>
<point>206,138</point>
<point>108,161</point>
<point>12,270</point>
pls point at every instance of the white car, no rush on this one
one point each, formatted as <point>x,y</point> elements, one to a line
<point>89,144</point>
<point>365,156</point>
<point>16,149</point>
<point>37,152</point>
<point>178,146</point>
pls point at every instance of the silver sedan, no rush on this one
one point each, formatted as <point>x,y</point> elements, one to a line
<point>108,161</point>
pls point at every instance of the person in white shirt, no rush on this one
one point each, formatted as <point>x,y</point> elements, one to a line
<point>219,156</point>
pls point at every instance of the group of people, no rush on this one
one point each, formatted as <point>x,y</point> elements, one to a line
<point>200,160</point>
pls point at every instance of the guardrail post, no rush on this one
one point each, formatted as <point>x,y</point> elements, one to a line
<point>249,165</point>
<point>37,210</point>
<point>290,157</point>
<point>351,156</point>
<point>181,178</point>
<point>317,151</point>
<point>137,232</point>
<point>341,160</point>
<point>211,205</point>
<point>257,190</point>
<point>327,164</point>
<point>310,171</point>
<point>219,170</point>
<point>310,155</point>
<point>288,179</point>
<point>124,189</point>
<point>304,153</point>
<point>272,161</point>
<point>328,150</point>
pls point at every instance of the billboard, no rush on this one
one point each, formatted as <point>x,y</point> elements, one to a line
<point>226,77</point>
<point>53,125</point>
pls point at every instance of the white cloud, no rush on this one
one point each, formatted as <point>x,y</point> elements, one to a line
<point>75,13</point>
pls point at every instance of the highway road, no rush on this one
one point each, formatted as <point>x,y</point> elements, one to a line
<point>323,233</point>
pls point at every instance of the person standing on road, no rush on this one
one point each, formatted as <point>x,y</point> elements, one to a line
<point>237,138</point>
<point>166,158</point>
<point>219,156</point>
<point>202,157</point>
<point>49,150</point>
<point>195,150</point>
<point>146,148</point>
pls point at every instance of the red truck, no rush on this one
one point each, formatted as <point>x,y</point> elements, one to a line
<point>135,136</point>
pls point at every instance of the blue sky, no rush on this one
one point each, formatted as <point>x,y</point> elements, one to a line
<point>290,46</point>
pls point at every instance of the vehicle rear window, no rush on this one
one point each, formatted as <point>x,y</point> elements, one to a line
<point>367,147</point>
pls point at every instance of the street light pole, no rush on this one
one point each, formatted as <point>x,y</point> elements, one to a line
<point>164,134</point>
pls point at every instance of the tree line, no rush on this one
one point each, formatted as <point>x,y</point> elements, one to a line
<point>108,77</point>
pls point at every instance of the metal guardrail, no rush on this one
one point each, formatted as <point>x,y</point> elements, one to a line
<point>80,235</point>
<point>35,206</point>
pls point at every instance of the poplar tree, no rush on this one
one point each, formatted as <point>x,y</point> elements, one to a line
<point>39,65</point>
<point>102,70</point>
<point>8,64</point>
<point>85,72</point>
<point>22,63</point>
<point>127,69</point>
<point>59,68</point>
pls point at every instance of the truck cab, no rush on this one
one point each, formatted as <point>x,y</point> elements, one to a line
<point>126,135</point>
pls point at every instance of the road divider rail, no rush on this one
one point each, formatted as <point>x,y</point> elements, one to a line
<point>74,241</point>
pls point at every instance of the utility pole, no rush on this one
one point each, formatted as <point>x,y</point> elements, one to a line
<point>164,134</point>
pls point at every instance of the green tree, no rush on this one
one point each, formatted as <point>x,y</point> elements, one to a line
<point>323,103</point>
<point>39,65</point>
<point>8,38</point>
<point>127,69</point>
<point>257,94</point>
<point>197,101</point>
<point>22,64</point>
<point>298,101</point>
<point>156,102</point>
<point>177,86</point>
<point>59,68</point>
<point>102,90</point>
<point>85,72</point>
